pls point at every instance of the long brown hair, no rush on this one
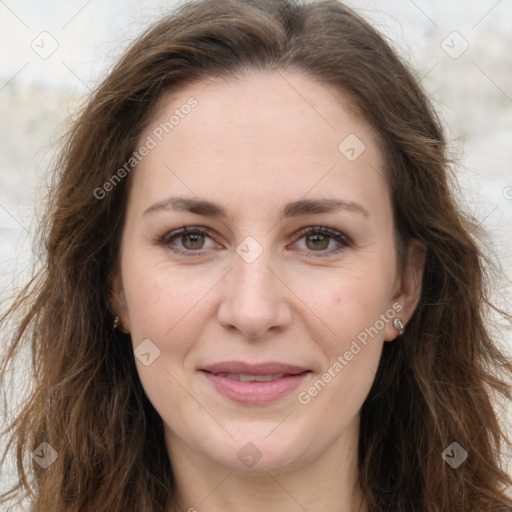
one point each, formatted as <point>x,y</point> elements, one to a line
<point>434,387</point>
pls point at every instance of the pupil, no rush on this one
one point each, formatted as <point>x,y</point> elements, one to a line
<point>319,238</point>
<point>195,240</point>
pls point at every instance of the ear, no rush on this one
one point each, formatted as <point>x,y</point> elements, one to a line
<point>408,287</point>
<point>118,303</point>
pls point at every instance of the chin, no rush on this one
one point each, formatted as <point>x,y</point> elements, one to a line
<point>257,453</point>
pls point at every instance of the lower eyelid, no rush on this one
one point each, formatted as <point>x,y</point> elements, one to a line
<point>326,252</point>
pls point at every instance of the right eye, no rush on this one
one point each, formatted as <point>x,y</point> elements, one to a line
<point>191,239</point>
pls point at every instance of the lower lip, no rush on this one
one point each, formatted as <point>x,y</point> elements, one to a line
<point>255,393</point>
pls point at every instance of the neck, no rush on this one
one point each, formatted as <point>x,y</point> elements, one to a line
<point>328,483</point>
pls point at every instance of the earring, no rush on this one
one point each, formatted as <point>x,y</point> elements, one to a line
<point>399,326</point>
<point>116,322</point>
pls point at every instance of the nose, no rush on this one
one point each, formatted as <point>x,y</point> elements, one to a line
<point>254,299</point>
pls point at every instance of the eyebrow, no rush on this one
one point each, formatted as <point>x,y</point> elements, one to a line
<point>292,209</point>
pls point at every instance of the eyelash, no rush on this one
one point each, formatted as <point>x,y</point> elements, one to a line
<point>339,237</point>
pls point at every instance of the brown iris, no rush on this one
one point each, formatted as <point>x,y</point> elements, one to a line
<point>322,239</point>
<point>196,240</point>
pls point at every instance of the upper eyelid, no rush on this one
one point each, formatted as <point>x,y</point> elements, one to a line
<point>323,230</point>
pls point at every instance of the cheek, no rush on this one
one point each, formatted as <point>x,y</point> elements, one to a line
<point>349,301</point>
<point>354,309</point>
<point>351,354</point>
<point>161,297</point>
<point>166,306</point>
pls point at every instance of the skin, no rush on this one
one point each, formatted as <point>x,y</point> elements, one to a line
<point>253,144</point>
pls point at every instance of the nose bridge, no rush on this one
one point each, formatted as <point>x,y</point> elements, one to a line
<point>251,274</point>
<point>253,279</point>
<point>253,300</point>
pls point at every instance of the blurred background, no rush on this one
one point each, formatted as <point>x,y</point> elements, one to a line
<point>54,53</point>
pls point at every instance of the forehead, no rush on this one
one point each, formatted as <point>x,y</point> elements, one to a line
<point>256,137</point>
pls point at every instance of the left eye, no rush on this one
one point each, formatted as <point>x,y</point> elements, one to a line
<point>318,239</point>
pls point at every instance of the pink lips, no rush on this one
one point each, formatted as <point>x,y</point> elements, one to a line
<point>254,383</point>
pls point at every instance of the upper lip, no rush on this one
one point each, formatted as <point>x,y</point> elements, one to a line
<point>266,368</point>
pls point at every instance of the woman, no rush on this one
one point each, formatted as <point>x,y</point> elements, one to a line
<point>259,293</point>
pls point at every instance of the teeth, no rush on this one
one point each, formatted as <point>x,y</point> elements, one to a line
<point>243,377</point>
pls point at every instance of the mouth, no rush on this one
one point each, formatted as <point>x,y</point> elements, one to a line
<point>244,377</point>
<point>254,384</point>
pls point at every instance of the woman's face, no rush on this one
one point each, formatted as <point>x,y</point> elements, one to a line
<point>258,333</point>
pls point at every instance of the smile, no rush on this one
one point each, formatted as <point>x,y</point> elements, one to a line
<point>254,384</point>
